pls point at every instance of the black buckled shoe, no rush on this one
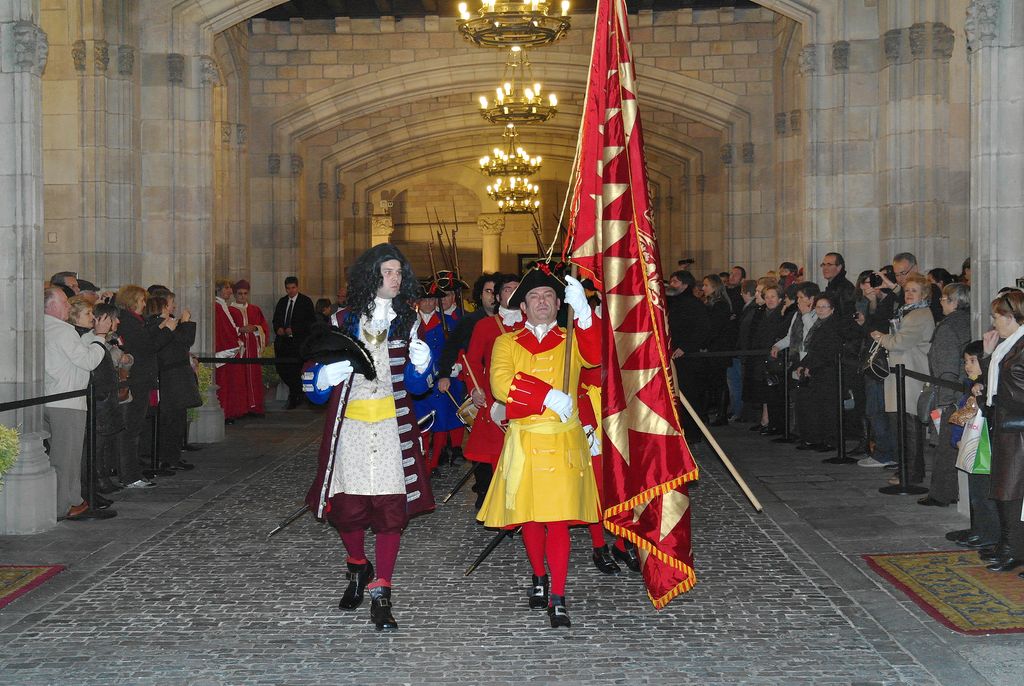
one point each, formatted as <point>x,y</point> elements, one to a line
<point>629,557</point>
<point>380,609</point>
<point>539,593</point>
<point>604,562</point>
<point>358,576</point>
<point>556,612</point>
<point>993,554</point>
<point>1006,564</point>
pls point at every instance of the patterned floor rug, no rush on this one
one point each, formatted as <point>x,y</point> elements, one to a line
<point>16,580</point>
<point>957,590</point>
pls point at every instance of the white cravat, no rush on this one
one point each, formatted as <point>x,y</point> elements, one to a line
<point>541,330</point>
<point>510,317</point>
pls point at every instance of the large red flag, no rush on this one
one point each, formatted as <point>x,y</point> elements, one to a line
<point>647,463</point>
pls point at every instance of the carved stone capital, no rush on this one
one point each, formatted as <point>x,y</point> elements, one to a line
<point>982,23</point>
<point>225,133</point>
<point>381,225</point>
<point>175,68</point>
<point>808,63</point>
<point>943,41</point>
<point>892,42</point>
<point>918,35</point>
<point>296,164</point>
<point>841,56</point>
<point>29,49</point>
<point>728,153</point>
<point>491,224</point>
<point>339,191</point>
<point>101,56</point>
<point>274,164</point>
<point>125,60</point>
<point>78,55</point>
<point>209,72</point>
<point>321,190</point>
<point>780,123</point>
<point>748,153</point>
<point>794,121</point>
<point>241,134</point>
<point>702,183</point>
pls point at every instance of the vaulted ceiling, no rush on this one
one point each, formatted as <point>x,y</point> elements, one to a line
<point>328,9</point>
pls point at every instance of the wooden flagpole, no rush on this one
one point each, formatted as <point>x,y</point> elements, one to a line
<point>714,444</point>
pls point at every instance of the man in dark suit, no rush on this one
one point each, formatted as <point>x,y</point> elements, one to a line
<point>690,329</point>
<point>293,317</point>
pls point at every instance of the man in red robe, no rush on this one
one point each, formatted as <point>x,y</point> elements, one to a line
<point>228,377</point>
<point>253,332</point>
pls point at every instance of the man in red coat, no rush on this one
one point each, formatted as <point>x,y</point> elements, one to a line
<point>228,377</point>
<point>485,441</point>
<point>253,332</point>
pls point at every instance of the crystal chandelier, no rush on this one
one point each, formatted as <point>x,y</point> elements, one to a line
<point>505,23</point>
<point>514,195</point>
<point>512,161</point>
<point>515,102</point>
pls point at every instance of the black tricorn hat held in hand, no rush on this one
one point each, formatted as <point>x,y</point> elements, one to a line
<point>327,344</point>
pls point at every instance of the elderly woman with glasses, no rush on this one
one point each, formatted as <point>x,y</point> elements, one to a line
<point>908,342</point>
<point>945,361</point>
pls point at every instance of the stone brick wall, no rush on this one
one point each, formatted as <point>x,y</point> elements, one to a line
<point>726,54</point>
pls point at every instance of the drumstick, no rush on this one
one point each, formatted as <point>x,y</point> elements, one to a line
<point>472,376</point>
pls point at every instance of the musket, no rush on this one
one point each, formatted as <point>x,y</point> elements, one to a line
<point>535,228</point>
<point>498,538</point>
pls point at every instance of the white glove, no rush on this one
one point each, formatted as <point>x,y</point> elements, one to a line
<point>333,374</point>
<point>456,369</point>
<point>419,354</point>
<point>559,403</point>
<point>595,448</point>
<point>577,299</point>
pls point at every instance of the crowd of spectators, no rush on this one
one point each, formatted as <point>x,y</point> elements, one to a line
<point>798,334</point>
<point>133,345</point>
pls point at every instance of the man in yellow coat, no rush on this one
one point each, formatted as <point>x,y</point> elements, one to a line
<point>544,480</point>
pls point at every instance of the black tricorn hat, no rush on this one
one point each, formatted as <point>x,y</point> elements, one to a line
<point>326,344</point>
<point>542,274</point>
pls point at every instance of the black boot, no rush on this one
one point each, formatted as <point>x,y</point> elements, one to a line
<point>358,576</point>
<point>539,593</point>
<point>628,557</point>
<point>604,562</point>
<point>380,609</point>
<point>556,612</point>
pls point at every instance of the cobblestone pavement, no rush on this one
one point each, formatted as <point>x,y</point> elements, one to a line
<point>209,600</point>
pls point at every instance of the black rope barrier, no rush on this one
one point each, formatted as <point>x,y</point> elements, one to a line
<point>904,487</point>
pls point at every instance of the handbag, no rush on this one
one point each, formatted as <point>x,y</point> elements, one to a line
<point>876,362</point>
<point>926,402</point>
<point>773,371</point>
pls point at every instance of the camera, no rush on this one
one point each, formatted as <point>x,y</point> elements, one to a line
<point>875,280</point>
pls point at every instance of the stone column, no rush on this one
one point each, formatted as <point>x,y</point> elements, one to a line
<point>491,227</point>
<point>922,167</point>
<point>381,228</point>
<point>27,501</point>
<point>995,41</point>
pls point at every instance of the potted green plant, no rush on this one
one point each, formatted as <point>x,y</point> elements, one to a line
<point>9,442</point>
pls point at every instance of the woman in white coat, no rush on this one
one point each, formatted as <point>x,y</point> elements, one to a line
<point>908,343</point>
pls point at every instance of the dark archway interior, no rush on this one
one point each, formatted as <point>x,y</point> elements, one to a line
<point>328,9</point>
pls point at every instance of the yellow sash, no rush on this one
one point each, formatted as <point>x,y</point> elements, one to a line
<point>513,459</point>
<point>371,409</point>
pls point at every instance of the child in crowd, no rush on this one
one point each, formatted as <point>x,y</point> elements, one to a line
<point>984,529</point>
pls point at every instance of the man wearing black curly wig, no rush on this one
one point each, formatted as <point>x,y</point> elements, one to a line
<point>371,473</point>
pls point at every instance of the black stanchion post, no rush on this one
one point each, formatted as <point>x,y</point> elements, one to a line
<point>155,443</point>
<point>785,394</point>
<point>840,457</point>
<point>90,444</point>
<point>903,487</point>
